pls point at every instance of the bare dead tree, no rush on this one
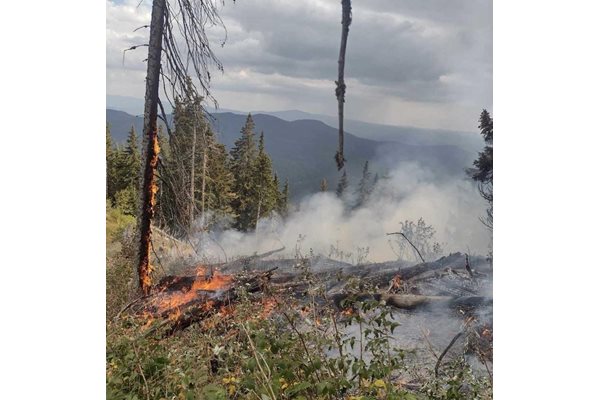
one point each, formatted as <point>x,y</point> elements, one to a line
<point>150,147</point>
<point>177,37</point>
<point>340,90</point>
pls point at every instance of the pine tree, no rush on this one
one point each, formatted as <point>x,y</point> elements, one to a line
<point>483,172</point>
<point>364,186</point>
<point>342,185</point>
<point>194,174</point>
<point>265,193</point>
<point>111,173</point>
<point>282,204</point>
<point>133,160</point>
<point>126,167</point>
<point>243,161</point>
<point>276,182</point>
<point>323,185</point>
<point>219,181</point>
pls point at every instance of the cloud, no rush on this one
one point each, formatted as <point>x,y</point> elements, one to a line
<point>434,56</point>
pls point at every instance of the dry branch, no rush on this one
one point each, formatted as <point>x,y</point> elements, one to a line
<point>414,247</point>
<point>439,361</point>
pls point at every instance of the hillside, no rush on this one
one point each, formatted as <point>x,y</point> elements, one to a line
<point>302,150</point>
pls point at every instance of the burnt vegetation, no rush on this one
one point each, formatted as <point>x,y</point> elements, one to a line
<point>270,326</point>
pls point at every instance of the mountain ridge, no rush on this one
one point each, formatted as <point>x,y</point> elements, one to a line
<point>303,150</point>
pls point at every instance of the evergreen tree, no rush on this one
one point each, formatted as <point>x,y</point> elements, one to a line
<point>219,180</point>
<point>265,192</point>
<point>323,185</point>
<point>342,185</point>
<point>243,161</point>
<point>276,182</point>
<point>194,175</point>
<point>126,164</point>
<point>483,171</point>
<point>364,186</point>
<point>282,204</point>
<point>133,161</point>
<point>111,173</point>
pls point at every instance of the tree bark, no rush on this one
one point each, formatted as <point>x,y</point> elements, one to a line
<point>340,89</point>
<point>150,147</point>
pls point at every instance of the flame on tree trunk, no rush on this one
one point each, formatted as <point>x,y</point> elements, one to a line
<point>150,148</point>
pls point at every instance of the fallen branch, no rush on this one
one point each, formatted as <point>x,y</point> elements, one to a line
<point>439,361</point>
<point>412,301</point>
<point>414,247</point>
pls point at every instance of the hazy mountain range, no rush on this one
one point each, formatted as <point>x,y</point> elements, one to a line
<point>302,150</point>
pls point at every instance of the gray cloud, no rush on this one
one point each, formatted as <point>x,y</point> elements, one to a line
<point>432,58</point>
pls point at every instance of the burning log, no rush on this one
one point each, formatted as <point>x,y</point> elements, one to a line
<point>180,301</point>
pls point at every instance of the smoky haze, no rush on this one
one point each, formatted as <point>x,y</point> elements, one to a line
<point>321,222</point>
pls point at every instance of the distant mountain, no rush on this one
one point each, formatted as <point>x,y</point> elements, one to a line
<point>303,150</point>
<point>470,141</point>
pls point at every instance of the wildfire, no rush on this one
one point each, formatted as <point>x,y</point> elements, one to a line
<point>203,288</point>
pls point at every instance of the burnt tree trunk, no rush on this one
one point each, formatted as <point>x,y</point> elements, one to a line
<point>340,89</point>
<point>150,148</point>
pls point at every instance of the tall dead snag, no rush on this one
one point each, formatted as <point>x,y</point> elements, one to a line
<point>171,19</point>
<point>150,147</point>
<point>340,89</point>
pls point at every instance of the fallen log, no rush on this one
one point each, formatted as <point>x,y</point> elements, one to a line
<point>179,301</point>
<point>414,301</point>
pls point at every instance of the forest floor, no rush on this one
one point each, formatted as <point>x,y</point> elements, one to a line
<point>316,329</point>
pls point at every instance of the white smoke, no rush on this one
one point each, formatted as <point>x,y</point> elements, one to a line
<point>322,221</point>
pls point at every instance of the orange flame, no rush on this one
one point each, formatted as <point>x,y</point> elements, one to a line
<point>202,287</point>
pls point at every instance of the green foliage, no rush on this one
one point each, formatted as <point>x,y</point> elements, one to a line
<point>256,191</point>
<point>111,168</point>
<point>243,161</point>
<point>266,192</point>
<point>284,196</point>
<point>116,223</point>
<point>483,171</point>
<point>365,186</point>
<point>289,355</point>
<point>193,162</point>
<point>120,249</point>
<point>123,171</point>
<point>127,200</point>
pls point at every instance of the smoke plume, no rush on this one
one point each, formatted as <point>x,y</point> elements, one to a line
<point>323,224</point>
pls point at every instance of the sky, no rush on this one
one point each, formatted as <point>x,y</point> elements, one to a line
<point>422,63</point>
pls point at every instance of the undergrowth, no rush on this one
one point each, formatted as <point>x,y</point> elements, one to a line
<point>298,350</point>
